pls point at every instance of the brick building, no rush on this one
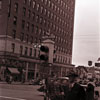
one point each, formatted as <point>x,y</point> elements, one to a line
<point>23,23</point>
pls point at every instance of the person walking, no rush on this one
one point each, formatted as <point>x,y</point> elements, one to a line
<point>90,92</point>
<point>76,91</point>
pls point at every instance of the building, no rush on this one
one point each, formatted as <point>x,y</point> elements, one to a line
<point>23,23</point>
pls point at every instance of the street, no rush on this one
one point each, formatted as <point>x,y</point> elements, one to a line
<point>20,92</point>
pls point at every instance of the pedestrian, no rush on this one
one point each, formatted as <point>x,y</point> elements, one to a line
<point>65,87</point>
<point>96,95</point>
<point>76,91</point>
<point>90,90</point>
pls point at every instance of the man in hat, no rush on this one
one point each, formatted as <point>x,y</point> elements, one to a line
<point>76,91</point>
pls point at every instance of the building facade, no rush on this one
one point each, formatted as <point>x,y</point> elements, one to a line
<point>23,23</point>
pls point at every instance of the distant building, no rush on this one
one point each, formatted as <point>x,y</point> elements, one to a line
<point>23,23</point>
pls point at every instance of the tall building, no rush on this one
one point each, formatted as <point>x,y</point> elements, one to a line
<point>23,23</point>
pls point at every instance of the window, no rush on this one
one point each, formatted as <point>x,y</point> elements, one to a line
<point>34,52</point>
<point>48,13</point>
<point>25,1</point>
<point>31,39</point>
<point>32,27</point>
<point>29,2</point>
<point>41,20</point>
<point>23,24</point>
<point>41,9</point>
<point>26,51</point>
<point>15,20</point>
<point>14,34</point>
<point>52,6</point>
<point>16,7</point>
<point>24,11</point>
<point>49,3</point>
<point>29,13</point>
<point>0,4</point>
<point>28,24</point>
<point>21,50</point>
<point>45,2</point>
<point>40,31</point>
<point>34,4</point>
<point>22,36</point>
<point>33,15</point>
<point>27,37</point>
<point>45,11</point>
<point>36,30</point>
<point>30,52</point>
<point>37,7</point>
<point>13,47</point>
<point>37,18</point>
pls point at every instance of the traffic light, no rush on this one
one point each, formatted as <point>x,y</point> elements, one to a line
<point>97,64</point>
<point>90,63</point>
<point>44,50</point>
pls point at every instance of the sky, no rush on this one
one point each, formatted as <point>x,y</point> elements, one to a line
<point>86,46</point>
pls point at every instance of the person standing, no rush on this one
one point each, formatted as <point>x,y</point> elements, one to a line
<point>76,91</point>
<point>90,92</point>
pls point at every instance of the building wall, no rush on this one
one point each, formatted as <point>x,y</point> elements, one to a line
<point>24,24</point>
<point>57,18</point>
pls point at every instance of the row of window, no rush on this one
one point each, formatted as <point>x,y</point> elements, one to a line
<point>38,30</point>
<point>24,50</point>
<point>34,52</point>
<point>25,37</point>
<point>51,5</point>
<point>62,59</point>
<point>49,14</point>
<point>28,38</point>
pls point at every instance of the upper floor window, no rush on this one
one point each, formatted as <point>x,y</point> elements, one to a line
<point>23,24</point>
<point>22,36</point>
<point>13,47</point>
<point>25,1</point>
<point>37,7</point>
<point>27,37</point>
<point>21,50</point>
<point>41,19</point>
<point>41,9</point>
<point>45,11</point>
<point>14,34</point>
<point>16,7</point>
<point>0,4</point>
<point>37,18</point>
<point>49,3</point>
<point>29,13</point>
<point>32,27</point>
<point>30,52</point>
<point>34,4</point>
<point>28,24</point>
<point>24,11</point>
<point>29,2</point>
<point>15,20</point>
<point>31,39</point>
<point>33,15</point>
<point>45,2</point>
<point>26,51</point>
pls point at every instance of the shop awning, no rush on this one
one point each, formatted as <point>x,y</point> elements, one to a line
<point>14,70</point>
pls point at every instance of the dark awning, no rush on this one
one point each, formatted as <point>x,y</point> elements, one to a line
<point>14,70</point>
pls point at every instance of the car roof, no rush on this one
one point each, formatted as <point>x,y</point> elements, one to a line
<point>66,78</point>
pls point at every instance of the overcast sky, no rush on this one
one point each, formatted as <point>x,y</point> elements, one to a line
<point>86,44</point>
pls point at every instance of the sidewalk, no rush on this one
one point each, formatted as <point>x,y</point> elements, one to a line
<point>15,83</point>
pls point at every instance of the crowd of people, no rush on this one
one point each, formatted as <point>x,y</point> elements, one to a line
<point>69,89</point>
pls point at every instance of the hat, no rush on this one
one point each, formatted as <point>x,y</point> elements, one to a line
<point>72,74</point>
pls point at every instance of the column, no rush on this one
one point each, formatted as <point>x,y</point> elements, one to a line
<point>35,72</point>
<point>26,73</point>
